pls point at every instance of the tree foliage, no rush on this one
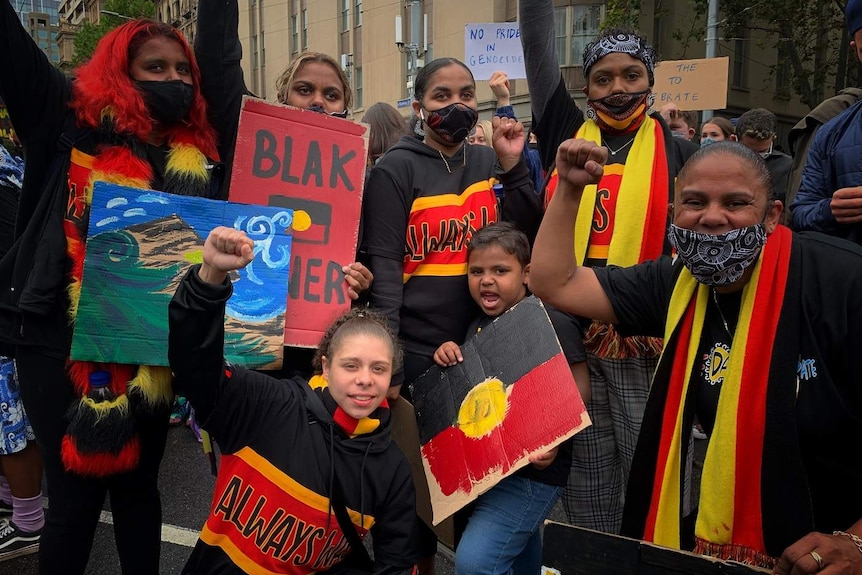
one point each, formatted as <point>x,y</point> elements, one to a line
<point>807,35</point>
<point>90,33</point>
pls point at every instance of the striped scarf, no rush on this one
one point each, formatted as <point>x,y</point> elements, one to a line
<point>730,522</point>
<point>641,214</point>
<point>102,438</point>
<point>350,425</point>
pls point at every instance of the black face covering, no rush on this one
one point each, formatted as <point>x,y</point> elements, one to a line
<point>319,110</point>
<point>168,101</point>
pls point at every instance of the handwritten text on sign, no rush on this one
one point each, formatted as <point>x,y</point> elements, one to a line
<point>489,48</point>
<point>692,84</point>
<point>315,165</point>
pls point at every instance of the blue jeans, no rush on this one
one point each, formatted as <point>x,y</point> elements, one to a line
<point>502,534</point>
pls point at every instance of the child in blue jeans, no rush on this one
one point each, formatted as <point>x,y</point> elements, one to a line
<point>502,533</point>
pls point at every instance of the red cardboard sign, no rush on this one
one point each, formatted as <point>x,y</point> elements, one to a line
<point>315,165</point>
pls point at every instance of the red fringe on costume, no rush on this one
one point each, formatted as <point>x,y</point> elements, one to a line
<point>79,373</point>
<point>733,552</point>
<point>100,464</point>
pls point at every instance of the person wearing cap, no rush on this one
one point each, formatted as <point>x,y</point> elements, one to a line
<point>623,221</point>
<point>757,130</point>
<point>829,199</point>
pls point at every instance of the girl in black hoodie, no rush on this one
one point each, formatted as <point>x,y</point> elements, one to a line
<point>296,454</point>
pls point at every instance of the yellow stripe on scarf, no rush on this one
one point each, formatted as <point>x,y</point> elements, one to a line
<point>716,505</point>
<point>667,519</point>
<point>632,202</point>
<point>715,515</point>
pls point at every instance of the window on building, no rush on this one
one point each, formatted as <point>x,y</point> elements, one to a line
<point>560,27</point>
<point>294,33</point>
<point>574,28</point>
<point>585,27</point>
<point>345,15</point>
<point>357,13</point>
<point>305,29</point>
<point>254,61</point>
<point>739,77</point>
<point>262,49</point>
<point>357,95</point>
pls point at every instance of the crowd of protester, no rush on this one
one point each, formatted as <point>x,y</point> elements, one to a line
<point>703,285</point>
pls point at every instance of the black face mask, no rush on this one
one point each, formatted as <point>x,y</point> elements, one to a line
<point>168,101</point>
<point>319,110</point>
<point>451,123</point>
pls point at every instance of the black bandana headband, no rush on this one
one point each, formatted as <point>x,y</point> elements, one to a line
<point>623,42</point>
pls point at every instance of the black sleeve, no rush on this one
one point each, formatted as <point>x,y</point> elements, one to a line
<point>395,541</point>
<point>385,212</point>
<point>521,205</point>
<point>228,400</point>
<point>640,294</point>
<point>34,90</point>
<point>559,121</point>
<point>568,329</point>
<point>219,52</point>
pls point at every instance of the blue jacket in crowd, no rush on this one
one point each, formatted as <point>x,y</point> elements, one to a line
<point>833,163</point>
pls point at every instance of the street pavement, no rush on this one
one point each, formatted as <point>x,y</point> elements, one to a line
<point>186,485</point>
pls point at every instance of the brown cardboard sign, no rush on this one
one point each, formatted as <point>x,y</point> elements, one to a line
<point>405,433</point>
<point>692,84</point>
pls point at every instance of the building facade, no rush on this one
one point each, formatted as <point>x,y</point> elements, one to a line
<point>40,18</point>
<point>382,43</point>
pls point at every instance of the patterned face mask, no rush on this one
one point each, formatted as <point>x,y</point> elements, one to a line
<point>718,260</point>
<point>451,123</point>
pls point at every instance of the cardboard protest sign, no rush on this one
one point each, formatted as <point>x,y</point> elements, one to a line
<point>569,550</point>
<point>405,434</point>
<point>140,243</point>
<point>692,84</point>
<point>511,397</point>
<point>313,164</point>
<point>489,48</point>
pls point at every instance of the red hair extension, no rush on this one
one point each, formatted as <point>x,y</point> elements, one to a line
<point>103,84</point>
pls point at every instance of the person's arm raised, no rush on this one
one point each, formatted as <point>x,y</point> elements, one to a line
<point>555,276</point>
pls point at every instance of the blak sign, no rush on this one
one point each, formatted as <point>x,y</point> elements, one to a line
<point>315,165</point>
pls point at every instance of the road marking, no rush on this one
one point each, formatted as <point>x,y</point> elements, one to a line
<point>170,533</point>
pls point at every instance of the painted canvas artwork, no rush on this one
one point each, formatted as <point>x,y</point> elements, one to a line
<point>140,243</point>
<point>479,421</point>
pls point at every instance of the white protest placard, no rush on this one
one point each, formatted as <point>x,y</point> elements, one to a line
<point>692,84</point>
<point>494,47</point>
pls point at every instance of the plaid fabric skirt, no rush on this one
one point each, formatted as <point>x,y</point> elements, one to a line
<point>15,429</point>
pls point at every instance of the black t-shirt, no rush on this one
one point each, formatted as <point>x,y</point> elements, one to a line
<point>571,340</point>
<point>713,354</point>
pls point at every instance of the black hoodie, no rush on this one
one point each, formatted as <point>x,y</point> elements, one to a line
<point>271,503</point>
<point>418,213</point>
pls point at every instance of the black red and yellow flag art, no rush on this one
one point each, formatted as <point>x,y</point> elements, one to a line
<point>513,395</point>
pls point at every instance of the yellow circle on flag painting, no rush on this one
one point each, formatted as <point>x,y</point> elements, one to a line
<point>301,220</point>
<point>483,408</point>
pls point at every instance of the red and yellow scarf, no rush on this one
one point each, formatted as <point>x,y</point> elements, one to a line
<point>730,521</point>
<point>350,425</point>
<point>102,437</point>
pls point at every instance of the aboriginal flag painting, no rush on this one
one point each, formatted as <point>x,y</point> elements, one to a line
<point>511,397</point>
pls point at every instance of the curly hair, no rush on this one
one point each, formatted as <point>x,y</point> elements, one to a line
<point>357,321</point>
<point>103,86</point>
<point>282,85</point>
<point>757,123</point>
